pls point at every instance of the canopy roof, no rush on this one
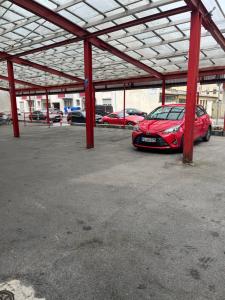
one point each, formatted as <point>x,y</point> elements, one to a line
<point>144,42</point>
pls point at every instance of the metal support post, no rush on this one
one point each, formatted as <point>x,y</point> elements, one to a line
<point>193,65</point>
<point>88,84</point>
<point>163,92</point>
<point>12,93</point>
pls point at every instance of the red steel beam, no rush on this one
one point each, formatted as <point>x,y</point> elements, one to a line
<point>142,79</point>
<point>207,21</point>
<point>88,84</point>
<point>20,82</point>
<point>12,92</point>
<point>163,92</point>
<point>193,72</point>
<point>67,25</point>
<point>108,30</point>
<point>24,62</point>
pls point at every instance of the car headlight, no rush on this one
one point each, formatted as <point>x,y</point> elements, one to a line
<point>172,129</point>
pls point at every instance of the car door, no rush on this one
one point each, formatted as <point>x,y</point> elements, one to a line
<point>113,119</point>
<point>76,117</point>
<point>205,120</point>
<point>198,128</point>
<point>120,120</point>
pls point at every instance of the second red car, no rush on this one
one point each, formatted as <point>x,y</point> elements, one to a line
<point>117,118</point>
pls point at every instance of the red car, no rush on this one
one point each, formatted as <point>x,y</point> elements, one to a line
<point>164,127</point>
<point>116,118</point>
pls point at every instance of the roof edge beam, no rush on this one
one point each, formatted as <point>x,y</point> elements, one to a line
<point>168,76</point>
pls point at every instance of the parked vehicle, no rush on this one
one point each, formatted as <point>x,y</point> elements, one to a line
<point>117,118</point>
<point>134,111</point>
<point>42,116</point>
<point>80,117</point>
<point>56,111</point>
<point>5,118</point>
<point>164,127</point>
<point>103,110</point>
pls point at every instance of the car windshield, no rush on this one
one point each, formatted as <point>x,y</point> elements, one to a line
<point>121,114</point>
<point>167,113</point>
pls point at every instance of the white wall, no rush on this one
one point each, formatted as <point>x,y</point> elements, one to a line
<point>144,99</point>
<point>4,102</point>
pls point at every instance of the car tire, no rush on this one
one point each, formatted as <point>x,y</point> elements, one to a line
<point>207,136</point>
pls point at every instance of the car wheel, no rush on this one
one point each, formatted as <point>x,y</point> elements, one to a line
<point>207,136</point>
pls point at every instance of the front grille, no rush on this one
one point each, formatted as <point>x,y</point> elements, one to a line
<point>160,142</point>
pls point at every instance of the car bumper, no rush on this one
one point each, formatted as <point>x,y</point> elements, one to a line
<point>168,141</point>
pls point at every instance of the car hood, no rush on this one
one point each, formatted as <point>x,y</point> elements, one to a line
<point>155,126</point>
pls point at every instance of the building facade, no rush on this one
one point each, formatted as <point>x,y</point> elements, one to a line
<point>4,102</point>
<point>212,97</point>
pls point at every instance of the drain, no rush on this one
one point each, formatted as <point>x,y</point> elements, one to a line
<point>6,295</point>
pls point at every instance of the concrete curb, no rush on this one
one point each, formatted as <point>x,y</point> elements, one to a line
<point>129,127</point>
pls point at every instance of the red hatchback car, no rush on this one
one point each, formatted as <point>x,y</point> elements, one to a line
<point>164,127</point>
<point>116,118</point>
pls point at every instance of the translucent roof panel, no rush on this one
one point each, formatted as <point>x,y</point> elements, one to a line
<point>161,44</point>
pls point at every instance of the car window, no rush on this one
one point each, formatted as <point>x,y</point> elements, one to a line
<point>113,116</point>
<point>200,111</point>
<point>120,115</point>
<point>76,114</point>
<point>176,113</point>
<point>167,113</point>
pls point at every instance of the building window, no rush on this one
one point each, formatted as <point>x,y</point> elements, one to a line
<point>68,102</point>
<point>21,106</point>
<point>107,101</point>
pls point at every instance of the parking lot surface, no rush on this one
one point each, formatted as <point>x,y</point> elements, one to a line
<point>111,222</point>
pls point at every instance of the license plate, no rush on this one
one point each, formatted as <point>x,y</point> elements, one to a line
<point>148,140</point>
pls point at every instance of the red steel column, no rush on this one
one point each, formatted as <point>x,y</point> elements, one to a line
<point>12,92</point>
<point>88,84</point>
<point>124,105</point>
<point>30,109</point>
<point>94,103</point>
<point>197,100</point>
<point>193,65</point>
<point>163,92</point>
<point>47,107</point>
